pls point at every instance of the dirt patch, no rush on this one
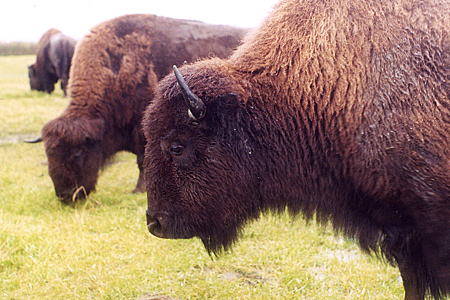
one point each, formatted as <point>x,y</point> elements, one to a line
<point>17,138</point>
<point>156,297</point>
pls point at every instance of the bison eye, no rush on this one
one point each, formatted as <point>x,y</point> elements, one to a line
<point>77,154</point>
<point>176,149</point>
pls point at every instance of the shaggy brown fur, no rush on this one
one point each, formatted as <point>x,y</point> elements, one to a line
<point>339,109</point>
<point>114,73</point>
<point>55,51</point>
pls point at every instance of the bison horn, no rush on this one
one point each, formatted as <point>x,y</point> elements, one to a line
<point>36,140</point>
<point>197,108</point>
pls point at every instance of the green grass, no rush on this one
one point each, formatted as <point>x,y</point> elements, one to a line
<point>22,111</point>
<point>101,248</point>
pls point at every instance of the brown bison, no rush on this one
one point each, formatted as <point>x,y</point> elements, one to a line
<point>114,72</point>
<point>333,109</point>
<point>55,51</point>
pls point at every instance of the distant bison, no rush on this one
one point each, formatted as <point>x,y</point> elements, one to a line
<point>114,72</point>
<point>333,109</point>
<point>55,51</point>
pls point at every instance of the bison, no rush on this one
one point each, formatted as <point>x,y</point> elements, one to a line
<point>55,51</point>
<point>334,109</point>
<point>114,73</point>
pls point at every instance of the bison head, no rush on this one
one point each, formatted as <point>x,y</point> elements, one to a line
<point>35,82</point>
<point>200,166</point>
<point>74,155</point>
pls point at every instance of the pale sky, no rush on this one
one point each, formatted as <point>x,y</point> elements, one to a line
<point>27,20</point>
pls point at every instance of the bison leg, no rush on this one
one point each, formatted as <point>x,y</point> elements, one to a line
<point>409,256</point>
<point>139,149</point>
<point>64,88</point>
<point>412,290</point>
<point>140,186</point>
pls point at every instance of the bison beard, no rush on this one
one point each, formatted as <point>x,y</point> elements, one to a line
<point>333,109</point>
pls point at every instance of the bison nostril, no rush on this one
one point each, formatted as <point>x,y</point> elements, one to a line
<point>155,228</point>
<point>65,198</point>
<point>154,224</point>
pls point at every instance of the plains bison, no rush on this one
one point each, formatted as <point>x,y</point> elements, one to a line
<point>333,109</point>
<point>114,72</point>
<point>55,51</point>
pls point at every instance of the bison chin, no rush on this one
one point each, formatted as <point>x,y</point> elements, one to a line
<point>218,242</point>
<point>215,238</point>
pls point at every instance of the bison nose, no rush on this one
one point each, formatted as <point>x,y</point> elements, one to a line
<point>155,224</point>
<point>68,195</point>
<point>64,197</point>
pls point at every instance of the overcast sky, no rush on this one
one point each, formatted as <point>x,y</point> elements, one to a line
<point>27,20</point>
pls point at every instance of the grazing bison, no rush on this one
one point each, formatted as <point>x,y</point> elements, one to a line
<point>55,51</point>
<point>114,72</point>
<point>334,109</point>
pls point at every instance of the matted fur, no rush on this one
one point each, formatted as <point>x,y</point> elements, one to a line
<point>338,109</point>
<point>114,72</point>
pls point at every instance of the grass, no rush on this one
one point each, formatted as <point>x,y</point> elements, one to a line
<point>101,249</point>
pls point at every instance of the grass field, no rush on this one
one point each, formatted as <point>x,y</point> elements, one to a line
<point>101,248</point>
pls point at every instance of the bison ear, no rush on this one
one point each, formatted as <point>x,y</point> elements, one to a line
<point>223,105</point>
<point>226,114</point>
<point>88,131</point>
<point>227,102</point>
<point>230,99</point>
<point>97,129</point>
